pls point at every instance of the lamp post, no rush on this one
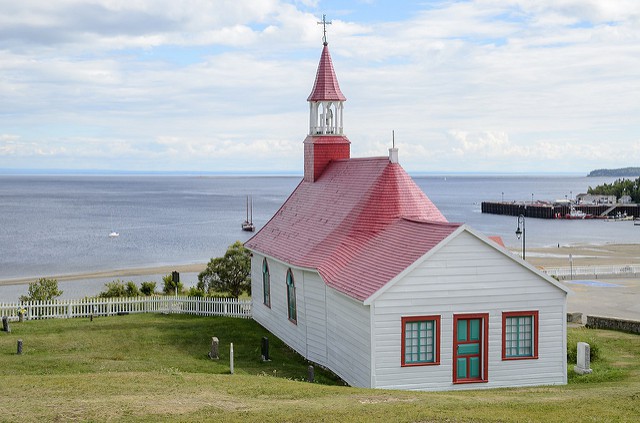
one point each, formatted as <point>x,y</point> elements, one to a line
<point>521,233</point>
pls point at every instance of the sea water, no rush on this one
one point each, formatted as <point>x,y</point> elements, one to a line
<point>59,224</point>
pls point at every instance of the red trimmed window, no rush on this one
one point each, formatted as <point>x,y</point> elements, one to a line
<point>519,335</point>
<point>266,284</point>
<point>420,340</point>
<point>292,313</point>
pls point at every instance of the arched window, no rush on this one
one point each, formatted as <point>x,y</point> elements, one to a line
<point>291,297</point>
<point>266,284</point>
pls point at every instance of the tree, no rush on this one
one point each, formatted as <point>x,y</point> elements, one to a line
<point>42,290</point>
<point>229,274</point>
<point>619,188</point>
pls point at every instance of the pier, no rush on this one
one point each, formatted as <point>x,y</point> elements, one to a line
<point>544,210</point>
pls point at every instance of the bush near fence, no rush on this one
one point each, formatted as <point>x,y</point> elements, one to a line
<point>66,309</point>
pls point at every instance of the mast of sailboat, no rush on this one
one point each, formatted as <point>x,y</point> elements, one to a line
<point>247,209</point>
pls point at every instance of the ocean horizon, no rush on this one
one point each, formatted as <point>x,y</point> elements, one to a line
<point>59,224</point>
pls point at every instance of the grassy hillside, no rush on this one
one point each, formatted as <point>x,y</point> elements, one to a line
<point>155,368</point>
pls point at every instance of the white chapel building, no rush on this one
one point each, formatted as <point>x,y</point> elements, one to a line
<point>359,272</point>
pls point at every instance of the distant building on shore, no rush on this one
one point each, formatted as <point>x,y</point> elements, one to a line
<point>595,199</point>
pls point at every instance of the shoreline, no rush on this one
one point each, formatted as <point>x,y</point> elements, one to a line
<point>117,273</point>
<point>582,254</point>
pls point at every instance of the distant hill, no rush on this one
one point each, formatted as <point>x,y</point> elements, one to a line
<point>625,171</point>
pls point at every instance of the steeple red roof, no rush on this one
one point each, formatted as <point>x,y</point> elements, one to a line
<point>326,87</point>
<point>360,224</point>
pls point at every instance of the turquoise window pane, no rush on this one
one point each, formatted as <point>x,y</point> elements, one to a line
<point>419,341</point>
<point>461,370</point>
<point>475,329</point>
<point>474,367</point>
<point>519,336</point>
<point>466,349</point>
<point>462,330</point>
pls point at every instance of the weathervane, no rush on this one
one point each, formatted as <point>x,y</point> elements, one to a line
<point>324,24</point>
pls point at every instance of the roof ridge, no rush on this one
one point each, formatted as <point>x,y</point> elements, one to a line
<point>430,222</point>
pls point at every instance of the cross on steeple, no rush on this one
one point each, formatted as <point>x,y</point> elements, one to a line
<point>324,24</point>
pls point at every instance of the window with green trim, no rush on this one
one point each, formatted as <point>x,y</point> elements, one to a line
<point>420,340</point>
<point>291,297</point>
<point>266,284</point>
<point>520,335</point>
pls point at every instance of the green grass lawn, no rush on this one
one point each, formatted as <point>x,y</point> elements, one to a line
<point>155,368</point>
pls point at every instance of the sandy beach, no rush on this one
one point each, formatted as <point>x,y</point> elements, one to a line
<point>583,255</point>
<point>612,297</point>
<point>121,273</point>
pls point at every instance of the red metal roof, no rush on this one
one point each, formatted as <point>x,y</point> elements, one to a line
<point>326,87</point>
<point>498,240</point>
<point>360,224</point>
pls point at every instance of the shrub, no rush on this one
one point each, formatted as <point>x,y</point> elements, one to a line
<point>195,292</point>
<point>132,289</point>
<point>114,289</point>
<point>148,288</point>
<point>583,335</point>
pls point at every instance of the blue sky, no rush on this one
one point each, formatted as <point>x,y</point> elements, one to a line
<point>221,86</point>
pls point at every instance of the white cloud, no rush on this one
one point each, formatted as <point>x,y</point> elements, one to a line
<point>521,85</point>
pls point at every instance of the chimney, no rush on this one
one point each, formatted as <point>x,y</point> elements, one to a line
<point>393,155</point>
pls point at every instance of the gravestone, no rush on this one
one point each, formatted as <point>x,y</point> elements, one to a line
<point>5,324</point>
<point>265,349</point>
<point>583,365</point>
<point>19,346</point>
<point>574,318</point>
<point>215,344</point>
<point>310,374</point>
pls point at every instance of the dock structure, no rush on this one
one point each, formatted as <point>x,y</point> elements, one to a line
<point>544,210</point>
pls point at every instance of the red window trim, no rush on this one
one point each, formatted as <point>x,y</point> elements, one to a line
<point>437,339</point>
<point>535,315</point>
<point>485,347</point>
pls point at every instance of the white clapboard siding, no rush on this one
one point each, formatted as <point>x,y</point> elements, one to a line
<point>332,329</point>
<point>468,276</point>
<point>349,339</point>
<point>316,313</point>
<point>86,307</point>
<point>275,318</point>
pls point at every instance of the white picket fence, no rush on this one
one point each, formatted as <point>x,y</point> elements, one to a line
<point>67,309</point>
<point>620,271</point>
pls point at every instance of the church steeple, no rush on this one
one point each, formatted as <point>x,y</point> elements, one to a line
<point>326,101</point>
<point>326,140</point>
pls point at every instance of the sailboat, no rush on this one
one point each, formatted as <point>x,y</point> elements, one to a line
<point>247,225</point>
<point>113,234</point>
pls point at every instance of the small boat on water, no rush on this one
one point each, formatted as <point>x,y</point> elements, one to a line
<point>247,225</point>
<point>620,217</point>
<point>114,234</point>
<point>577,214</point>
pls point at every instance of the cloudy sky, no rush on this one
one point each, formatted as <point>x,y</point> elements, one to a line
<point>221,85</point>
